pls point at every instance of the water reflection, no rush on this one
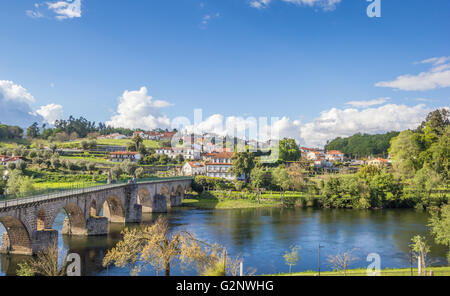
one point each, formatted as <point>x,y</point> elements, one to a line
<point>263,235</point>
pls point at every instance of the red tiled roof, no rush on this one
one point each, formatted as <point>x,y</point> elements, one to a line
<point>335,152</point>
<point>196,164</point>
<point>222,155</point>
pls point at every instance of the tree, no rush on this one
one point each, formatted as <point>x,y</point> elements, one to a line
<point>421,249</point>
<point>280,178</point>
<point>33,131</point>
<point>116,172</point>
<point>91,166</point>
<point>292,257</point>
<point>258,177</point>
<point>21,165</point>
<point>440,226</point>
<point>18,184</point>
<point>289,150</point>
<point>342,261</point>
<point>45,264</point>
<point>56,163</point>
<point>140,172</point>
<point>157,246</point>
<point>128,167</point>
<point>404,152</point>
<point>243,164</point>
<point>85,145</point>
<point>137,140</point>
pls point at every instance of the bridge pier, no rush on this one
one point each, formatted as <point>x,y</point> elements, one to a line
<point>97,226</point>
<point>43,239</point>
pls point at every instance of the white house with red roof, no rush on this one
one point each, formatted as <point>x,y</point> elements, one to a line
<point>334,155</point>
<point>194,168</point>
<point>219,165</point>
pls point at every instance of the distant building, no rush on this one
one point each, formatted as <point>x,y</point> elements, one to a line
<point>315,155</point>
<point>378,162</point>
<point>334,155</point>
<point>219,165</point>
<point>5,160</point>
<point>188,153</point>
<point>121,156</point>
<point>322,163</point>
<point>194,168</point>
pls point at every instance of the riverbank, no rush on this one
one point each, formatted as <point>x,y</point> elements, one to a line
<point>437,271</point>
<point>208,203</point>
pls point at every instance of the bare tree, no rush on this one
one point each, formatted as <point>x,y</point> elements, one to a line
<point>342,261</point>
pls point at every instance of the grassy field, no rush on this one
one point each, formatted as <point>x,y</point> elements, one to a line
<point>227,203</point>
<point>437,271</point>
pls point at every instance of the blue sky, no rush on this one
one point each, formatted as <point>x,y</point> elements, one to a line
<point>285,58</point>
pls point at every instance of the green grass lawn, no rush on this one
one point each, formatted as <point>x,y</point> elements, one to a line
<point>437,271</point>
<point>227,203</point>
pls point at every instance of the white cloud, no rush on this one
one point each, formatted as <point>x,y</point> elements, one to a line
<point>137,109</point>
<point>15,105</point>
<point>324,4</point>
<point>209,17</point>
<point>66,9</point>
<point>369,103</point>
<point>14,92</point>
<point>346,122</point>
<point>437,77</point>
<point>51,112</point>
<point>260,3</point>
<point>329,125</point>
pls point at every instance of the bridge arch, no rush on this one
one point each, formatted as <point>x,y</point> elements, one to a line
<point>75,221</point>
<point>16,239</point>
<point>180,191</point>
<point>40,220</point>
<point>113,209</point>
<point>165,192</point>
<point>93,209</point>
<point>144,199</point>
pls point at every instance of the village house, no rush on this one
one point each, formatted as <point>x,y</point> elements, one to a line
<point>121,156</point>
<point>194,168</point>
<point>219,165</point>
<point>188,153</point>
<point>322,163</point>
<point>315,155</point>
<point>334,155</point>
<point>5,160</point>
<point>378,162</point>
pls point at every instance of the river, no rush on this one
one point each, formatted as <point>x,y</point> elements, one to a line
<point>262,236</point>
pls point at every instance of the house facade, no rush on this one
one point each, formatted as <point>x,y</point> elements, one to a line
<point>219,165</point>
<point>334,155</point>
<point>194,168</point>
<point>188,153</point>
<point>121,156</point>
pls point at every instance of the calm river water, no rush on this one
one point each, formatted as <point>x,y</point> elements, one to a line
<point>262,236</point>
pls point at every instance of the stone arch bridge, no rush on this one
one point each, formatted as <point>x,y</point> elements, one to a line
<point>29,221</point>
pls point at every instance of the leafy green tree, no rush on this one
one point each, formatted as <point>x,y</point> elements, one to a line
<point>280,178</point>
<point>137,141</point>
<point>140,172</point>
<point>243,164</point>
<point>292,257</point>
<point>21,165</point>
<point>33,131</point>
<point>258,177</point>
<point>421,249</point>
<point>404,152</point>
<point>56,163</point>
<point>91,166</point>
<point>11,166</point>
<point>128,167</point>
<point>17,183</point>
<point>116,172</point>
<point>85,145</point>
<point>289,150</point>
<point>440,226</point>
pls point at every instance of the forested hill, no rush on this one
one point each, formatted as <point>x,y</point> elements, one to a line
<point>363,145</point>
